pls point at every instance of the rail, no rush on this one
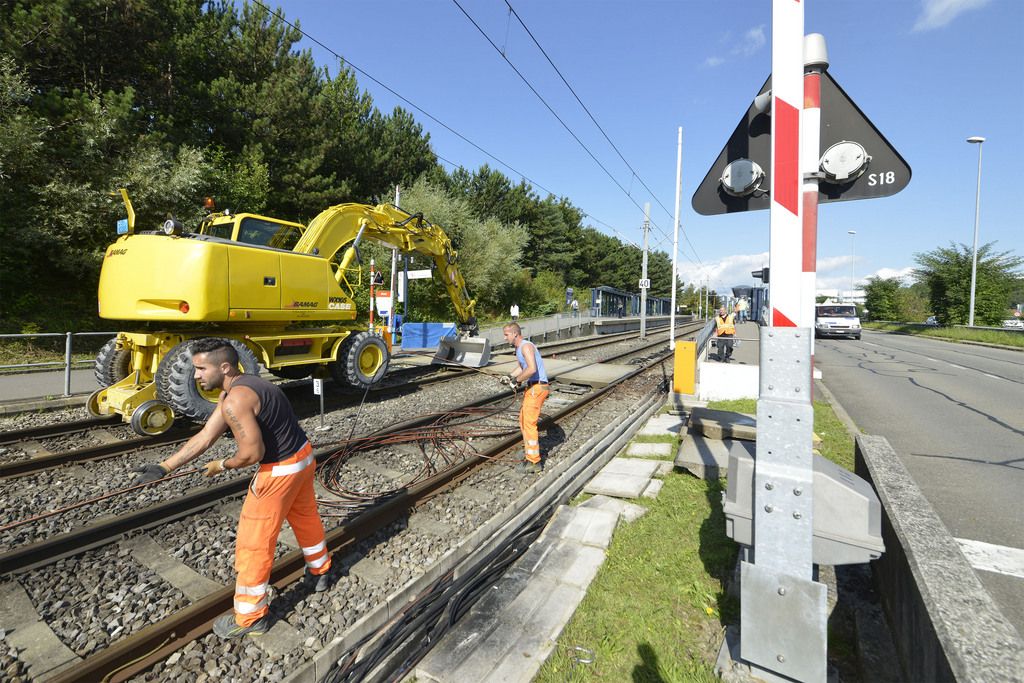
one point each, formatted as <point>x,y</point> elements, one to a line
<point>68,362</point>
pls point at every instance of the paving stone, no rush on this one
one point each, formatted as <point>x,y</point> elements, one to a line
<point>588,526</point>
<point>617,485</point>
<point>641,449</point>
<point>636,467</point>
<point>662,424</point>
<point>627,511</point>
<point>709,458</point>
<point>723,424</point>
<point>653,488</point>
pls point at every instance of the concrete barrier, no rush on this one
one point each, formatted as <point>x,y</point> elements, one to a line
<point>945,624</point>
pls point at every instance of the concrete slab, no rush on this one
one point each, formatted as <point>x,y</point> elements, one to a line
<point>589,526</point>
<point>642,449</point>
<point>370,571</point>
<point>723,424</point>
<point>27,634</point>
<point>281,639</point>
<point>427,524</point>
<point>662,424</point>
<point>680,404</point>
<point>617,485</point>
<point>635,467</point>
<point>709,458</point>
<point>149,553</point>
<point>514,627</point>
<point>653,488</point>
<point>727,381</point>
<point>628,512</point>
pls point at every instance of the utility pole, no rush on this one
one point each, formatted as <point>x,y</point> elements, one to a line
<point>394,268</point>
<point>644,282</point>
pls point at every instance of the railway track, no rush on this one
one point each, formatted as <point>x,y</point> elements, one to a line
<point>373,528</point>
<point>28,451</point>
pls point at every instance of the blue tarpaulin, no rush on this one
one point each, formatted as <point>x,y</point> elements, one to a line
<point>425,335</point>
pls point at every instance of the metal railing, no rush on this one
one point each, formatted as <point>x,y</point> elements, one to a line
<point>67,363</point>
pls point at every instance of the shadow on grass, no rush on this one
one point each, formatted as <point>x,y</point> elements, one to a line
<point>648,670</point>
<point>718,552</point>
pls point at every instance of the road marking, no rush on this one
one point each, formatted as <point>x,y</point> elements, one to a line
<point>984,373</point>
<point>871,344</point>
<point>958,367</point>
<point>993,558</point>
<point>931,359</point>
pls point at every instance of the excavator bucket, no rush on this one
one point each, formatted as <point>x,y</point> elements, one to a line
<point>468,352</point>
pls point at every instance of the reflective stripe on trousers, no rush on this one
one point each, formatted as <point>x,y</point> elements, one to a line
<point>533,399</point>
<point>272,498</point>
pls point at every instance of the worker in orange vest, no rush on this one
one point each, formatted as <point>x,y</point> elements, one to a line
<point>725,330</point>
<point>531,372</point>
<point>266,432</point>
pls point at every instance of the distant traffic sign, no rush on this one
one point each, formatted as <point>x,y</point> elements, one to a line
<point>645,283</point>
<point>858,162</point>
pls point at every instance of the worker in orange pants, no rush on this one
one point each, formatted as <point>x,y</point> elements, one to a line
<point>266,432</point>
<point>530,372</point>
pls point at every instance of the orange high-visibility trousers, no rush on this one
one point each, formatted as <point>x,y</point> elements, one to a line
<point>279,491</point>
<point>533,399</point>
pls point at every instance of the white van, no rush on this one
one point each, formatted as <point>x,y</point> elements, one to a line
<point>836,320</point>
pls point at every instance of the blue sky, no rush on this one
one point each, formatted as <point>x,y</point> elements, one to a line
<point>928,73</point>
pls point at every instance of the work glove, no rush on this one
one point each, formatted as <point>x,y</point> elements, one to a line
<point>149,473</point>
<point>213,468</point>
<point>507,381</point>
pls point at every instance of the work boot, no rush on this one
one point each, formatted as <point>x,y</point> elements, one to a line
<point>527,467</point>
<point>226,628</point>
<point>319,583</point>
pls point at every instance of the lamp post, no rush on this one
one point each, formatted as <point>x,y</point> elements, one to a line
<point>853,260</point>
<point>977,210</point>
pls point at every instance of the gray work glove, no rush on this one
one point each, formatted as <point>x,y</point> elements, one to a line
<point>507,381</point>
<point>149,473</point>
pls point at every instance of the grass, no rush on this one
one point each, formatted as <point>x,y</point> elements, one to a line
<point>657,609</point>
<point>1012,338</point>
<point>47,350</point>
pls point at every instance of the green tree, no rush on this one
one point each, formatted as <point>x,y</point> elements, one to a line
<point>946,272</point>
<point>881,298</point>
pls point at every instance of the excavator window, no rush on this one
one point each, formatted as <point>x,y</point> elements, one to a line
<point>266,233</point>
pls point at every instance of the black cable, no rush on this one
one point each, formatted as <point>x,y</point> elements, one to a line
<point>427,619</point>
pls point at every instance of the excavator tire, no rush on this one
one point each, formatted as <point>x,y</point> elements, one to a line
<point>362,360</point>
<point>177,387</point>
<point>337,368</point>
<point>112,364</point>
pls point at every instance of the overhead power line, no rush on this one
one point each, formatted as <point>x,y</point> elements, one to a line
<point>441,123</point>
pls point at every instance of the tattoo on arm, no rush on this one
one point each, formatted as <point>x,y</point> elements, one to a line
<point>236,425</point>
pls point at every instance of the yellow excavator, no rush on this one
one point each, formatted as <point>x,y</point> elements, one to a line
<point>280,292</point>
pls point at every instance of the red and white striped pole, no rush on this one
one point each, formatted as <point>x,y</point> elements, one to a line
<point>786,232</point>
<point>815,62</point>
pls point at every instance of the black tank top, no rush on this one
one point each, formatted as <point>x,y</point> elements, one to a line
<point>282,435</point>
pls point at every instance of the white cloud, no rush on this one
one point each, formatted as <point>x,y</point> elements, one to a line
<point>939,13</point>
<point>902,274</point>
<point>753,40</point>
<point>724,273</point>
<point>833,272</point>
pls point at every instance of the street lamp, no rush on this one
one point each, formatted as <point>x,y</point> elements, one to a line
<point>975,140</point>
<point>853,260</point>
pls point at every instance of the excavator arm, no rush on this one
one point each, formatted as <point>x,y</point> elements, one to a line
<point>340,228</point>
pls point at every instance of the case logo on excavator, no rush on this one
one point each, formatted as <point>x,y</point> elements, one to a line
<point>117,252</point>
<point>336,303</point>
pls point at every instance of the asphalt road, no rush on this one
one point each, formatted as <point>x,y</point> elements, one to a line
<point>954,414</point>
